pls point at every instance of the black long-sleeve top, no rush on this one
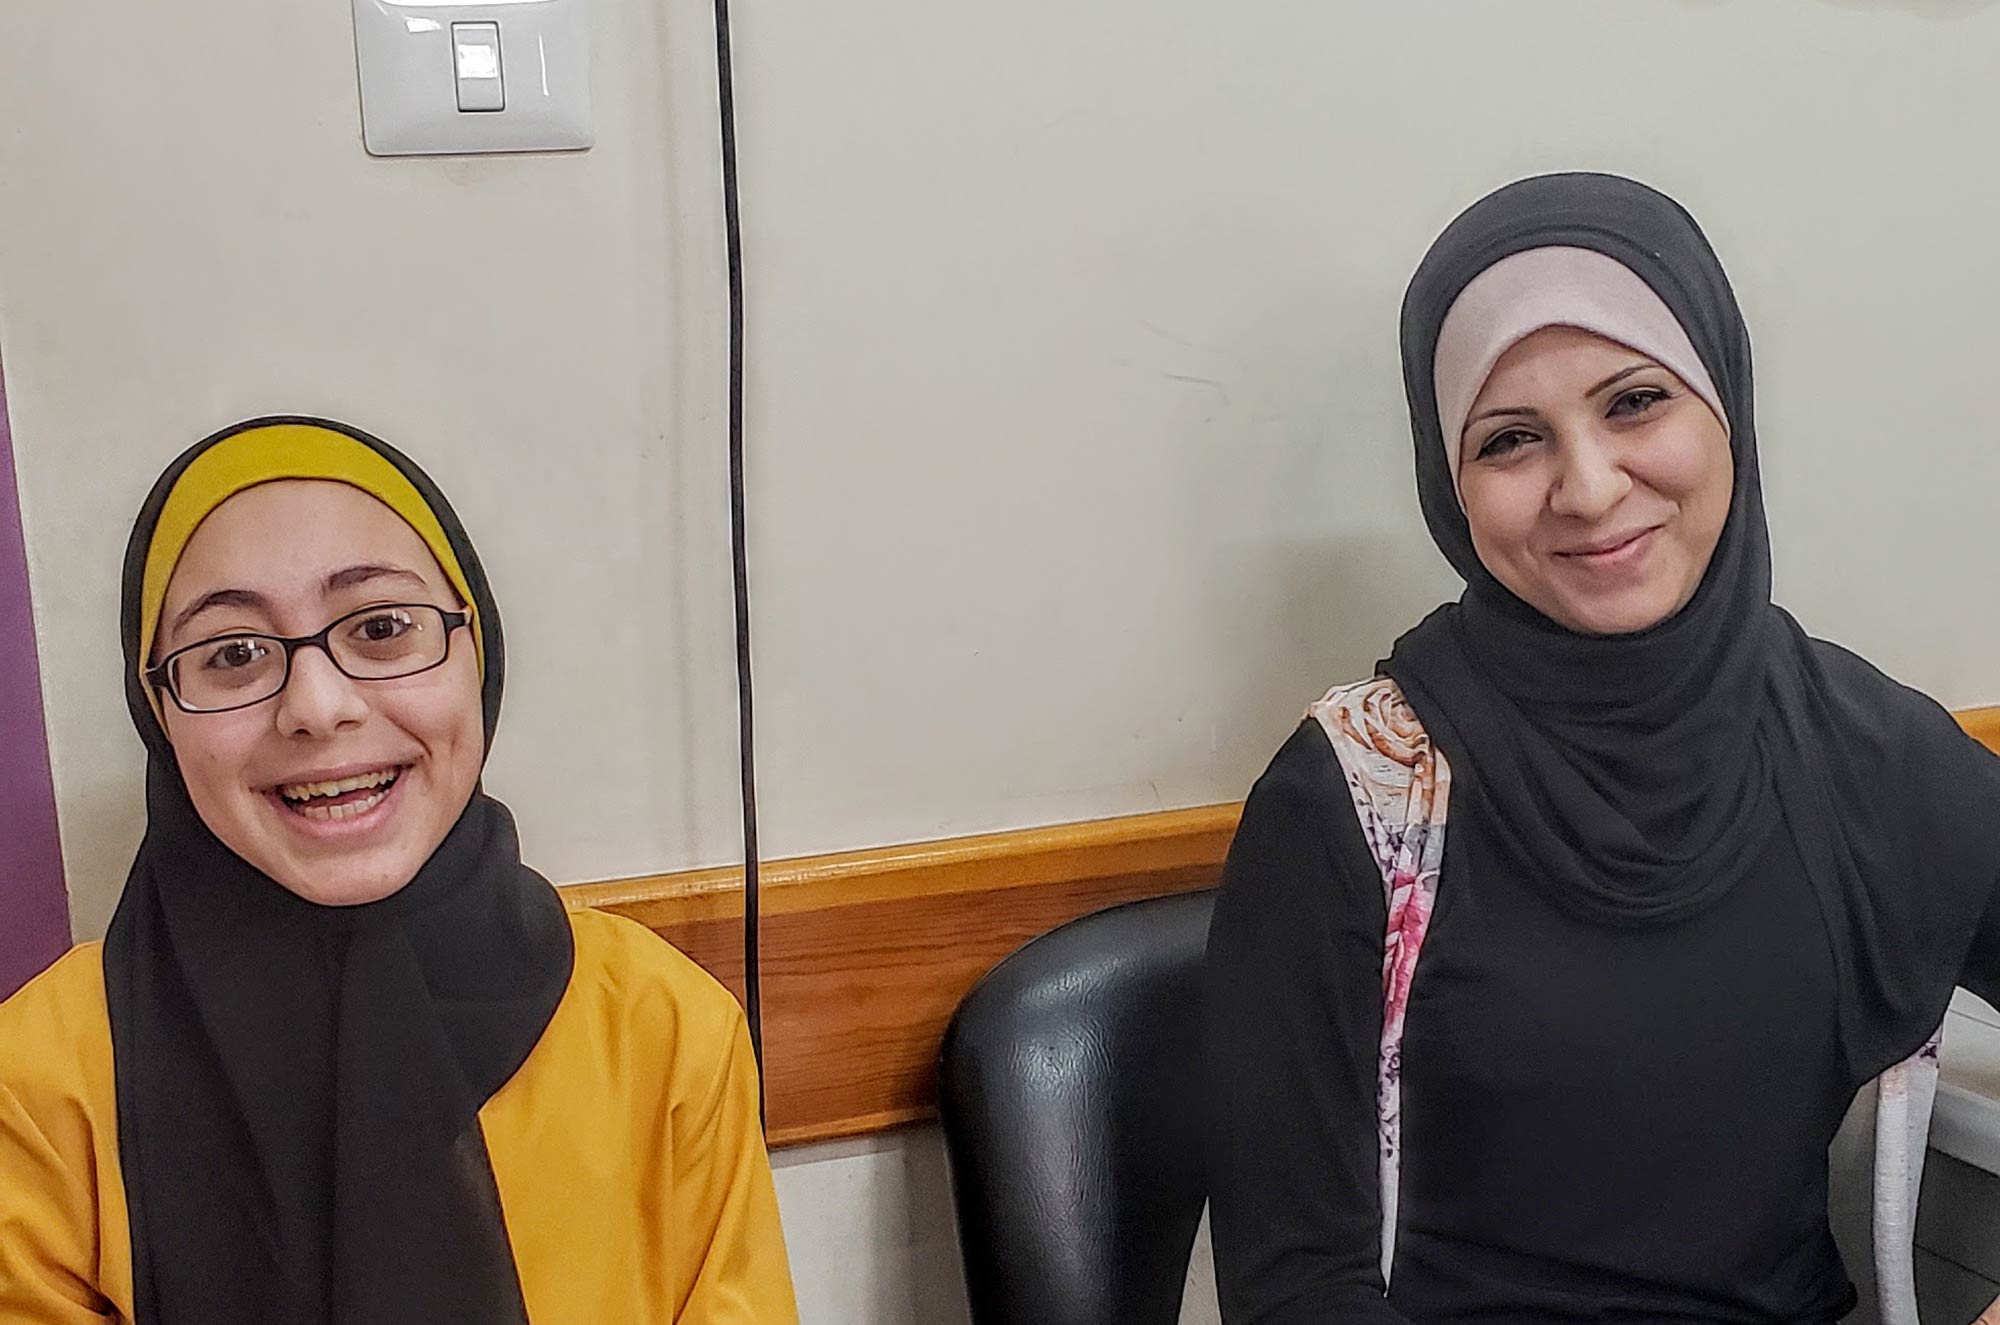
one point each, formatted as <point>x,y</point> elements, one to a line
<point>1599,1123</point>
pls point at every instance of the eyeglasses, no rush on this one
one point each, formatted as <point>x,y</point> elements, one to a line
<point>379,643</point>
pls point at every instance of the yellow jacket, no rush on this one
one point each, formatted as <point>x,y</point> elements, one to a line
<point>627,1152</point>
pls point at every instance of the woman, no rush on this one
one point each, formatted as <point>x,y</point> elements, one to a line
<point>342,1057</point>
<point>1704,877</point>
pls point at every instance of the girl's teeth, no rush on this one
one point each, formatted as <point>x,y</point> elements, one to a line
<point>334,813</point>
<point>299,791</point>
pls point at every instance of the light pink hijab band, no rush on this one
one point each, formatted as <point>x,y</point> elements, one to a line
<point>1552,287</point>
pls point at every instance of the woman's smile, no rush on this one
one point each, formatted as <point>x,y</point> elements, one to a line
<point>1617,554</point>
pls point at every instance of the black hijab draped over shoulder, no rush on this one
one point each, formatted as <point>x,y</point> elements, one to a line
<point>298,1086</point>
<point>1634,777</point>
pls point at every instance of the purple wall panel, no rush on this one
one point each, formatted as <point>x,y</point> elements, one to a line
<point>34,908</point>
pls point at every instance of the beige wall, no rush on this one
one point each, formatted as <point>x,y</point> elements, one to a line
<point>1079,455</point>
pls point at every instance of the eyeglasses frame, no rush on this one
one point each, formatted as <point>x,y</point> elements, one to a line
<point>158,675</point>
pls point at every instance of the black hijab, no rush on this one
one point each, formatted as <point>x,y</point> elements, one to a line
<point>298,1086</point>
<point>1634,778</point>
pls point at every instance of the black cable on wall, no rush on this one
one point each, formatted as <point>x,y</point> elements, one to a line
<point>732,222</point>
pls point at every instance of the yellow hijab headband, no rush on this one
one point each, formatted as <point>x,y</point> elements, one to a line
<point>267,455</point>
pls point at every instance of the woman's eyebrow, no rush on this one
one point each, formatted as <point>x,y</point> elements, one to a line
<point>354,575</point>
<point>220,598</point>
<point>1521,410</point>
<point>1621,375</point>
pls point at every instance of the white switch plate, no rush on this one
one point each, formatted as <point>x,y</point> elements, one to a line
<point>409,82</point>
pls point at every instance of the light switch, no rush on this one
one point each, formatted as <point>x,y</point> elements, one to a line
<point>447,76</point>
<point>475,51</point>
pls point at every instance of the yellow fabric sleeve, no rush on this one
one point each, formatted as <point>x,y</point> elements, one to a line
<point>627,1150</point>
<point>735,1268</point>
<point>45,1260</point>
<point>65,1252</point>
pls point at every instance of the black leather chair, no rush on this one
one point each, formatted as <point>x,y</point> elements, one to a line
<point>1070,1091</point>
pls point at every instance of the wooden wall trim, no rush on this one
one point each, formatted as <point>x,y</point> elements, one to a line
<point>1024,858</point>
<point>867,953</point>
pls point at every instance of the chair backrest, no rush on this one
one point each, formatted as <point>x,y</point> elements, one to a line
<point>1071,1095</point>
